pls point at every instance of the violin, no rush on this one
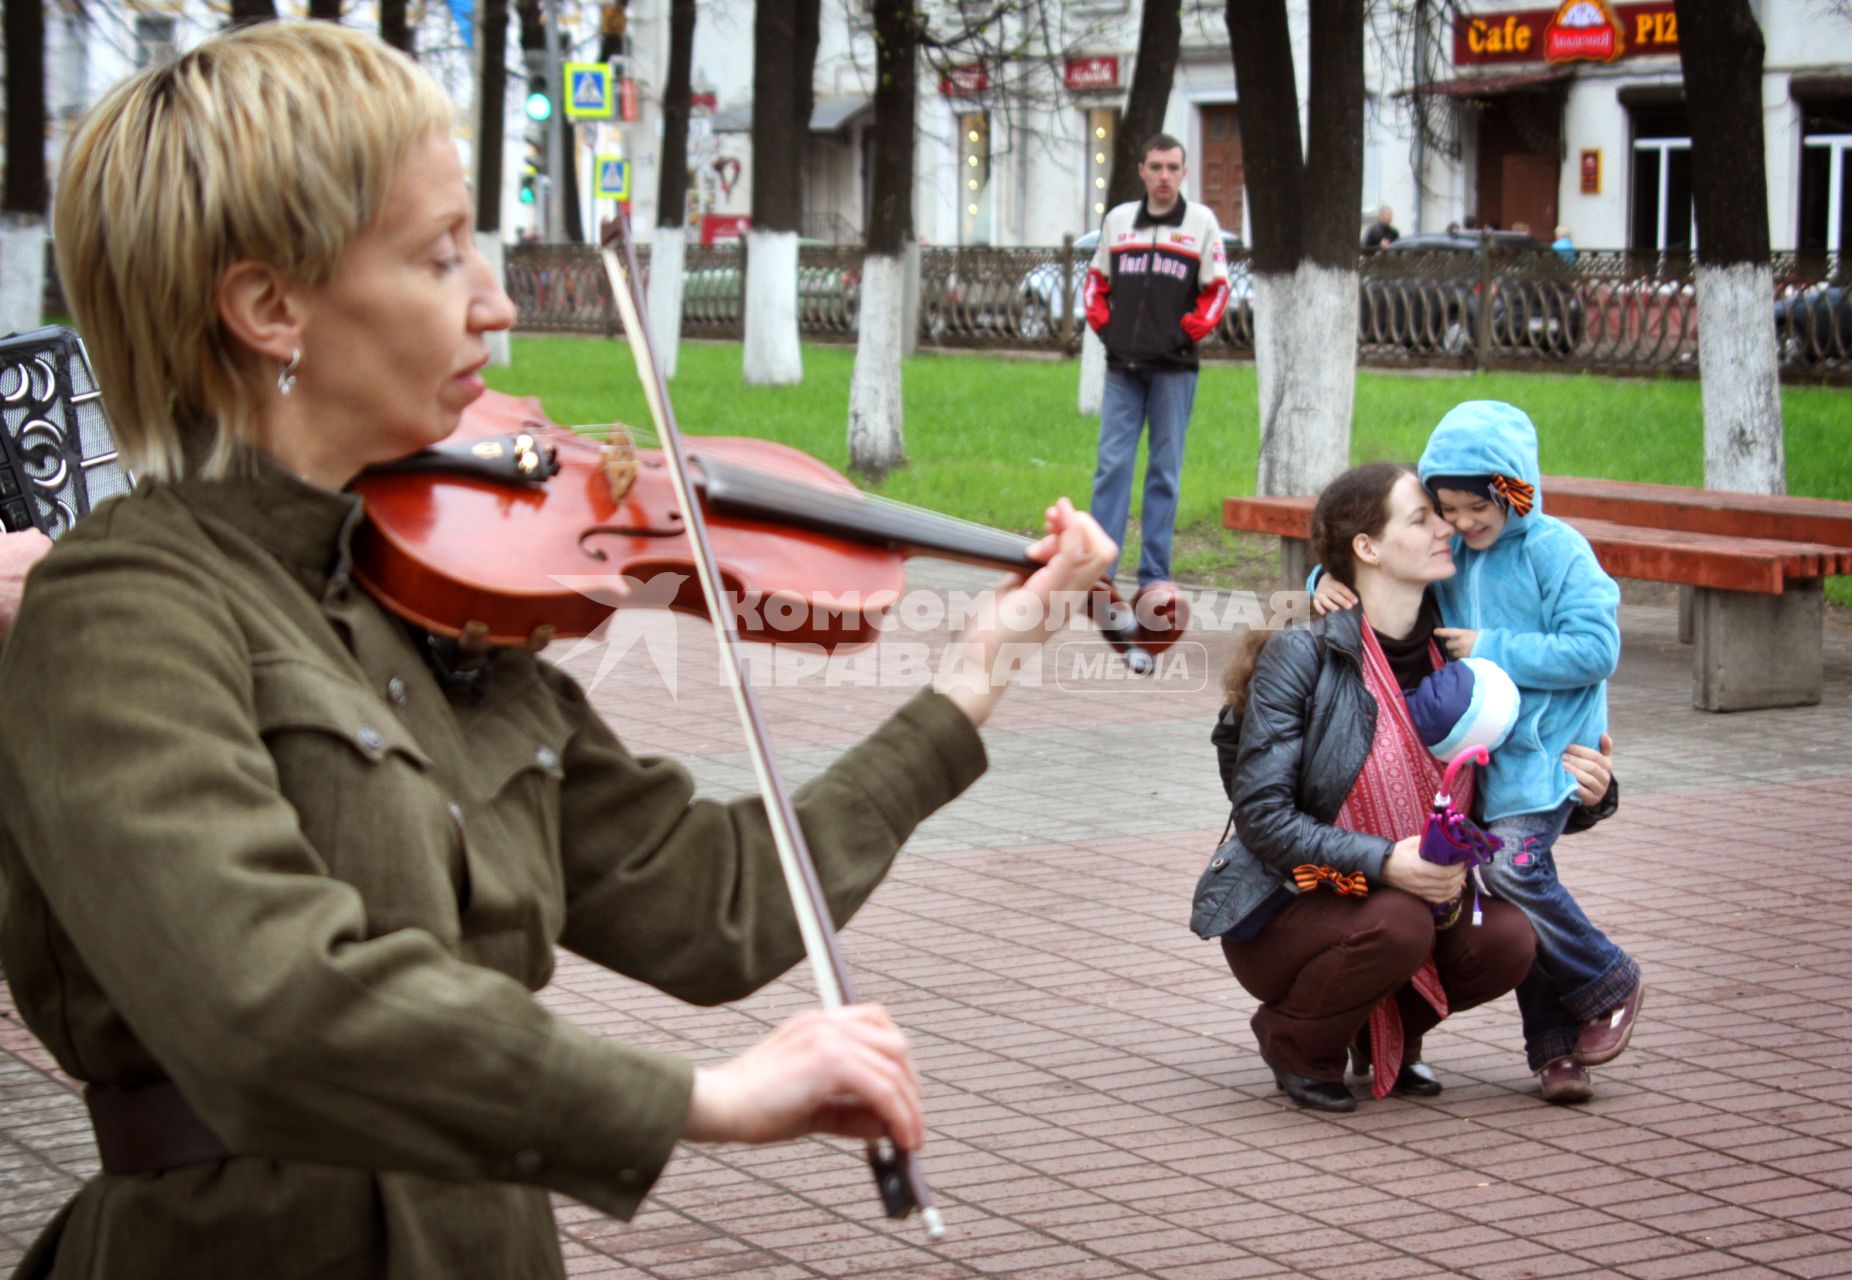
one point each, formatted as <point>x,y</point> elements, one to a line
<point>516,531</point>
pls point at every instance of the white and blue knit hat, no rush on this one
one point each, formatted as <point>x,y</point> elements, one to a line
<point>1469,703</point>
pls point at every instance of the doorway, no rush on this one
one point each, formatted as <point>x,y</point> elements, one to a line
<point>1222,175</point>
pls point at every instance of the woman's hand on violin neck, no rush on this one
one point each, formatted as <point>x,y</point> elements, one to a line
<point>1012,623</point>
<point>1407,870</point>
<point>846,1072</point>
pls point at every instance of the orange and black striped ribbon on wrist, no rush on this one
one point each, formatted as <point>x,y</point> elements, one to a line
<point>1309,877</point>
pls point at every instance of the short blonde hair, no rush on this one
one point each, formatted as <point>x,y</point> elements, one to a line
<point>276,143</point>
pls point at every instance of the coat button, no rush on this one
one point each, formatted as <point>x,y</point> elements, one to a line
<point>527,1163</point>
<point>395,691</point>
<point>629,1178</point>
<point>1218,864</point>
<point>548,758</point>
<point>371,740</point>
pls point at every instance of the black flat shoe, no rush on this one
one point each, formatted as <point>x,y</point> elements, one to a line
<point>1415,1079</point>
<point>1317,1095</point>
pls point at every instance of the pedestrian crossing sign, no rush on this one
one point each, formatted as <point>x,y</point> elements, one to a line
<point>613,178</point>
<point>588,91</point>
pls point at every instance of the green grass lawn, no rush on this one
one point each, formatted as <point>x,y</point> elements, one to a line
<point>995,439</point>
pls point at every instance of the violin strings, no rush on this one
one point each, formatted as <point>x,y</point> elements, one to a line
<point>845,502</point>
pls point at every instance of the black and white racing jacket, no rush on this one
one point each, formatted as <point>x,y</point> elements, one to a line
<point>1156,285</point>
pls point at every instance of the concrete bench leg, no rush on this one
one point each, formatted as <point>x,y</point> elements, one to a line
<point>1295,562</point>
<point>1756,651</point>
<point>1685,607</point>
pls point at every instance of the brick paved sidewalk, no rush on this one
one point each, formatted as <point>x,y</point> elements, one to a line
<point>1097,1107</point>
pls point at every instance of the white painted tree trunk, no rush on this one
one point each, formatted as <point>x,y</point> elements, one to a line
<point>666,255</point>
<point>1092,369</point>
<point>773,357</point>
<point>489,245</point>
<point>22,271</point>
<point>910,307</point>
<point>876,442</point>
<point>1305,356</point>
<point>1742,386</point>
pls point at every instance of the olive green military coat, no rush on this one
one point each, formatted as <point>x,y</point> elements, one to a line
<point>258,849</point>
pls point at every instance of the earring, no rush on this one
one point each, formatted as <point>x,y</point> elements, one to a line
<point>286,373</point>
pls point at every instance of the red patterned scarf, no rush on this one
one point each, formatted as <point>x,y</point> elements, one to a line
<point>1390,798</point>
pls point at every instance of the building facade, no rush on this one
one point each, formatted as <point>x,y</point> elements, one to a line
<point>1568,114</point>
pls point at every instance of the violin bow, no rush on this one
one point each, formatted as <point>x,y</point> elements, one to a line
<point>897,1173</point>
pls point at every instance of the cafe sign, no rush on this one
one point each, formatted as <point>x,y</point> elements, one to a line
<point>1576,31</point>
<point>1101,72</point>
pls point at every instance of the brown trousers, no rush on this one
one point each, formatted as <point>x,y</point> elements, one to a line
<point>1320,966</point>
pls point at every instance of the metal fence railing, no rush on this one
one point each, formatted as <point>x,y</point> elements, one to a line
<point>1468,303</point>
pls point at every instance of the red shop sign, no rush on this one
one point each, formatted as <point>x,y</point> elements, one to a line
<point>1100,72</point>
<point>1580,30</point>
<point>966,81</point>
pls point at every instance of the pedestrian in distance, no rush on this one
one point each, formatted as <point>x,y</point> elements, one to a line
<point>1157,286</point>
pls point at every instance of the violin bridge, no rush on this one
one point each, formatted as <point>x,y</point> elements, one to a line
<point>618,457</point>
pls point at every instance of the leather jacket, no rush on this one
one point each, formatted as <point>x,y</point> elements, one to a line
<point>1307,730</point>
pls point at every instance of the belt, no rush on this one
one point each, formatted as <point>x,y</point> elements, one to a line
<point>149,1127</point>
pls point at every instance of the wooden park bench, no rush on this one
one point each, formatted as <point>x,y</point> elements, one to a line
<point>1750,569</point>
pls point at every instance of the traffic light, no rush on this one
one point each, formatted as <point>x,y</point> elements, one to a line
<point>535,165</point>
<point>539,102</point>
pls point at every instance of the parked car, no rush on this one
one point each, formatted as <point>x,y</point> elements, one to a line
<point>828,295</point>
<point>1043,303</point>
<point>1814,324</point>
<point>1423,292</point>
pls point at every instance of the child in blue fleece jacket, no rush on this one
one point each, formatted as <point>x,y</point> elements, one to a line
<point>1530,596</point>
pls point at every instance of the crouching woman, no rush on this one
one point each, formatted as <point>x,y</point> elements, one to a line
<point>1322,902</point>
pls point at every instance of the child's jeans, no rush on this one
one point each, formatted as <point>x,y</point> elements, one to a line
<point>1579,975</point>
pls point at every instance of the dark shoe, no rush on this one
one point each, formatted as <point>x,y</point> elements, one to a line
<point>1415,1079</point>
<point>1317,1095</point>
<point>1602,1039</point>
<point>1565,1081</point>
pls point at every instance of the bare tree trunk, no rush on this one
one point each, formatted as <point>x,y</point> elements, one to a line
<point>246,12</point>
<point>1303,209</point>
<point>877,442</point>
<point>22,211</point>
<point>491,113</point>
<point>325,10</point>
<point>1160,33</point>
<point>395,27</point>
<point>667,250</point>
<point>785,34</point>
<point>1721,50</point>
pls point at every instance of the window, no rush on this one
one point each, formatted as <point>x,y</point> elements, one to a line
<point>1102,133</point>
<point>1663,219</point>
<point>974,196</point>
<point>154,39</point>
<point>1826,177</point>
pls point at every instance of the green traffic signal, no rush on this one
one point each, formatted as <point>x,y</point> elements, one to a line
<point>539,106</point>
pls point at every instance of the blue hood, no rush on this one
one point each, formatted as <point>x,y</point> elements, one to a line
<point>1487,438</point>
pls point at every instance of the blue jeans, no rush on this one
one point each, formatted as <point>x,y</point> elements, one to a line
<point>1579,975</point>
<point>1165,398</point>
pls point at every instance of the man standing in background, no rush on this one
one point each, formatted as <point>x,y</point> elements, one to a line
<point>1157,286</point>
<point>1382,231</point>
